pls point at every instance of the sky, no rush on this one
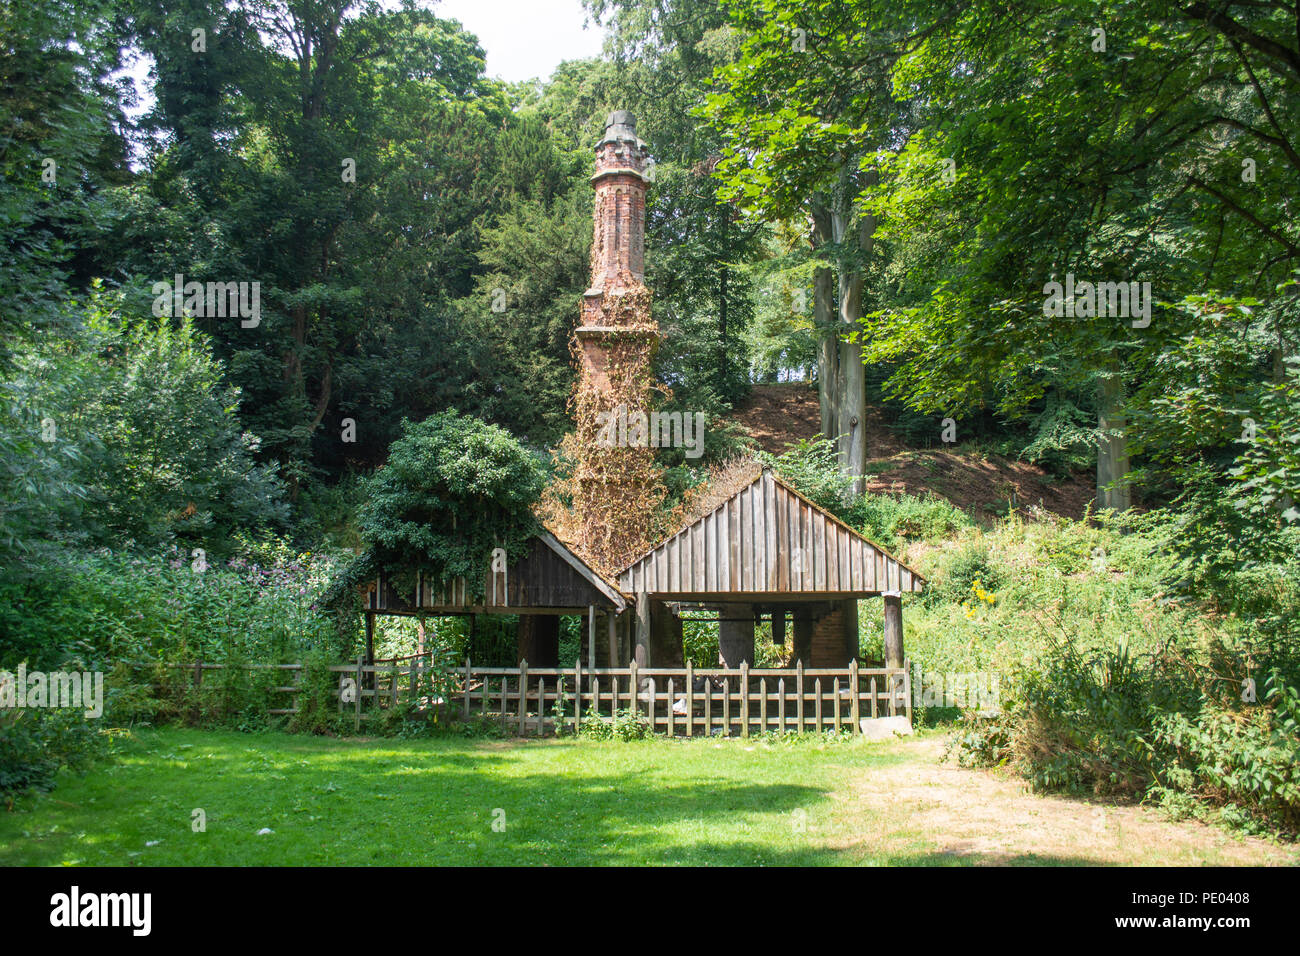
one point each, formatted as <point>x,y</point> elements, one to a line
<point>525,39</point>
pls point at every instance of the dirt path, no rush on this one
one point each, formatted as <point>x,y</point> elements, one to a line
<point>935,811</point>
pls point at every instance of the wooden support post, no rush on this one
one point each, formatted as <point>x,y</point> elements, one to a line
<point>612,622</point>
<point>690,699</point>
<point>744,698</point>
<point>893,629</point>
<point>631,691</point>
<point>778,626</point>
<point>577,695</point>
<point>641,655</point>
<point>651,703</point>
<point>762,705</point>
<point>591,636</point>
<point>856,705</point>
<point>467,683</point>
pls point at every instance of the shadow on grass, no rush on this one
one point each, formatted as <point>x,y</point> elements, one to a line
<point>449,801</point>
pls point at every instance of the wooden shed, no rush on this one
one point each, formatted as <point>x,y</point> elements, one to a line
<point>549,581</point>
<point>767,552</point>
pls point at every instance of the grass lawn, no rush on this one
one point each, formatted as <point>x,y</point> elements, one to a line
<point>349,802</point>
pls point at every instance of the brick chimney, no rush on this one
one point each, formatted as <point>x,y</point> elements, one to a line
<point>617,248</point>
<point>616,489</point>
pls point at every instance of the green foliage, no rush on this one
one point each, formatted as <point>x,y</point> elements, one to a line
<point>261,607</point>
<point>145,433</point>
<point>966,567</point>
<point>626,725</point>
<point>453,490</point>
<point>36,744</point>
<point>315,701</point>
<point>896,520</point>
<point>811,466</point>
<point>1239,764</point>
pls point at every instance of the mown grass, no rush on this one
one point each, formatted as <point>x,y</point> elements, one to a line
<point>433,801</point>
<point>332,802</point>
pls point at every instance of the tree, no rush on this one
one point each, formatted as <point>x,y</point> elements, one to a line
<point>147,429</point>
<point>453,490</point>
<point>805,108</point>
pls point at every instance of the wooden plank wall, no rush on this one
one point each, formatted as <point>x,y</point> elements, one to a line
<point>767,539</point>
<point>541,579</point>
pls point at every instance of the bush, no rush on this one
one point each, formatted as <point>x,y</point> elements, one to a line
<point>318,708</point>
<point>894,520</point>
<point>36,744</point>
<point>967,566</point>
<point>626,725</point>
<point>1079,721</point>
<point>1242,764</point>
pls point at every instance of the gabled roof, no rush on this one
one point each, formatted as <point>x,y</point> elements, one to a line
<point>549,577</point>
<point>767,539</point>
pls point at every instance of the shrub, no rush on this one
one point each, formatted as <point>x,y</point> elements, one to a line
<point>894,520</point>
<point>1079,721</point>
<point>967,566</point>
<point>626,725</point>
<point>1244,764</point>
<point>36,744</point>
<point>316,704</point>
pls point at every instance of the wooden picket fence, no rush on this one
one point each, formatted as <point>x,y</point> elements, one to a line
<point>676,702</point>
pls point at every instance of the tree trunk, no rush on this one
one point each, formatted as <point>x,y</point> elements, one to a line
<point>1112,447</point>
<point>828,356</point>
<point>851,428</point>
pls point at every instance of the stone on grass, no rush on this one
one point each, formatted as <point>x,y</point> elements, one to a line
<point>885,728</point>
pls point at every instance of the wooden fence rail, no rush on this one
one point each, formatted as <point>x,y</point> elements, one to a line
<point>677,702</point>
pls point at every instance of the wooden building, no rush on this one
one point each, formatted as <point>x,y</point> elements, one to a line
<point>767,553</point>
<point>549,581</point>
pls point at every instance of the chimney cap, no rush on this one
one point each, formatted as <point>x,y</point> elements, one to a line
<point>620,125</point>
